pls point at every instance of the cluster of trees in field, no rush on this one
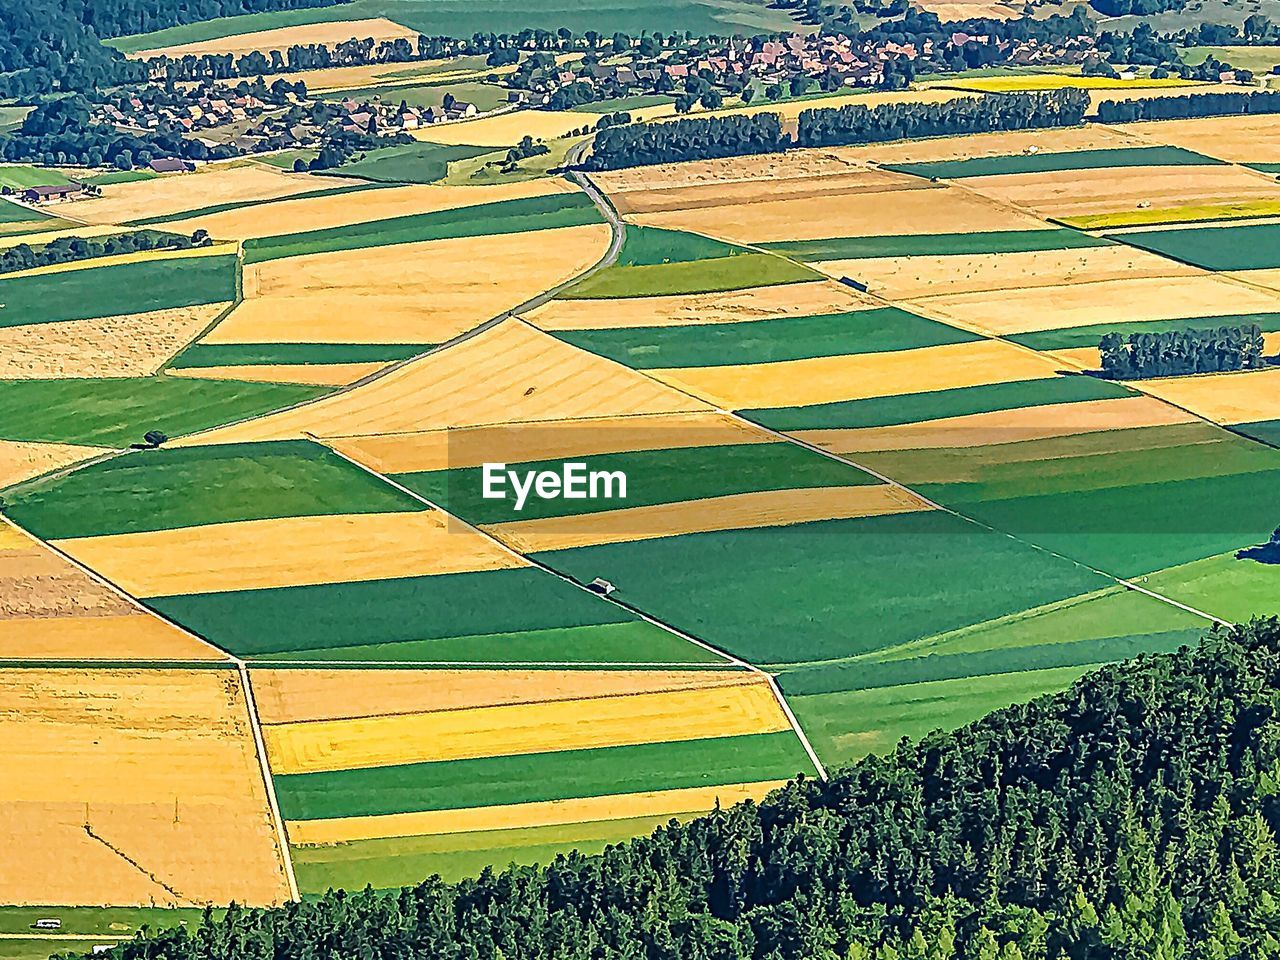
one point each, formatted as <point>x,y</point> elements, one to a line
<point>1133,816</point>
<point>67,249</point>
<point>1174,353</point>
<point>858,123</point>
<point>692,139</point>
<point>1192,105</point>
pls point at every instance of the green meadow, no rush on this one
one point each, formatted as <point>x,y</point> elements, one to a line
<point>1068,338</point>
<point>240,354</point>
<point>1254,246</point>
<point>696,276</point>
<point>1155,156</point>
<point>936,244</point>
<point>414,163</point>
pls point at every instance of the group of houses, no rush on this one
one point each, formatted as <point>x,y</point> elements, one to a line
<point>206,109</point>
<point>375,115</point>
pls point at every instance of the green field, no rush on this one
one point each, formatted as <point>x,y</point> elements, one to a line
<point>1259,59</point>
<point>285,158</point>
<point>117,412</point>
<point>20,176</point>
<point>847,726</point>
<point>462,18</point>
<point>652,477</point>
<point>1254,246</point>
<point>767,341</point>
<point>647,246</point>
<point>529,778</point>
<point>377,612</point>
<point>110,291</point>
<point>188,486</point>
<point>103,924</point>
<point>1268,431</point>
<point>335,188</point>
<point>698,276</point>
<point>427,93</point>
<point>1156,156</point>
<point>623,104</point>
<point>415,163</point>
<point>12,213</point>
<point>634,641</point>
<point>1069,338</point>
<point>120,176</point>
<point>240,354</point>
<point>1231,588</point>
<point>11,117</point>
<point>403,861</point>
<point>503,216</point>
<point>936,244</point>
<point>491,167</point>
<point>938,404</point>
<point>783,595</point>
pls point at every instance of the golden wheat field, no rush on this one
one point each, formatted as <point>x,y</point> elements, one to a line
<point>282,38</point>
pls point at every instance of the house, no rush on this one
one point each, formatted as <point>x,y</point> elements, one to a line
<point>52,192</point>
<point>171,165</point>
<point>462,109</point>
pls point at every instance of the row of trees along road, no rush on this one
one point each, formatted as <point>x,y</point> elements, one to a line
<point>1173,353</point>
<point>1132,817</point>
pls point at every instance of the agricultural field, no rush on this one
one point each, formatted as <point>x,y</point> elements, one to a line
<point>874,484</point>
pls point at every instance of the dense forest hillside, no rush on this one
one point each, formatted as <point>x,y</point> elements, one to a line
<point>1133,816</point>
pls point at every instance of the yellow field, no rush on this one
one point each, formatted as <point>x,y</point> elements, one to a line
<point>1081,304</point>
<point>539,814</point>
<point>441,288</point>
<point>54,233</point>
<point>159,764</point>
<point>289,695</point>
<point>1100,96</point>
<point>208,185</point>
<point>951,10</point>
<point>930,276</point>
<point>302,214</point>
<point>509,374</point>
<point>798,165</point>
<point>473,446</point>
<point>1253,138</point>
<point>1060,81</point>
<point>328,79</point>
<point>722,711</point>
<point>1002,426</point>
<point>755,303</point>
<point>857,377</point>
<point>50,609</point>
<point>23,459</point>
<point>925,208</point>
<point>789,110</point>
<point>283,38</point>
<point>319,374</point>
<point>740,511</point>
<point>1223,398</point>
<point>658,198</point>
<point>504,129</point>
<point>1091,137</point>
<point>1074,193</point>
<point>290,552</point>
<point>134,345</point>
<point>1185,214</point>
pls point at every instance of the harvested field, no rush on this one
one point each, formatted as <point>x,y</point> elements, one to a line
<point>283,38</point>
<point>1223,398</point>
<point>544,813</point>
<point>1081,304</point>
<point>290,552</point>
<point>741,511</point>
<point>950,11</point>
<point>1082,192</point>
<point>472,446</point>
<point>999,144</point>
<point>504,129</point>
<point>51,609</point>
<point>1002,426</point>
<point>133,345</point>
<point>162,765</point>
<point>319,374</point>
<point>938,209</point>
<point>511,373</point>
<point>753,303</point>
<point>303,214</point>
<point>23,459</point>
<point>936,244</point>
<point>466,733</point>
<point>300,696</point>
<point>905,278</point>
<point>725,193</point>
<point>801,165</point>
<point>829,379</point>
<point>1239,139</point>
<point>214,183</point>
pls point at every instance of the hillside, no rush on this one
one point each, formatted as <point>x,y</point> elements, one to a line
<point>1133,815</point>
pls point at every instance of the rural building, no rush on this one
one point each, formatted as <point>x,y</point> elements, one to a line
<point>171,165</point>
<point>51,193</point>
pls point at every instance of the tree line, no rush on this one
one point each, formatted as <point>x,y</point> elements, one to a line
<point>1191,105</point>
<point>1132,817</point>
<point>1173,353</point>
<point>68,249</point>
<point>693,139</point>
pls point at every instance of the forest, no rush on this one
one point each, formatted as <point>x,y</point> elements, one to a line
<point>693,139</point>
<point>1198,105</point>
<point>1174,353</point>
<point>1132,816</point>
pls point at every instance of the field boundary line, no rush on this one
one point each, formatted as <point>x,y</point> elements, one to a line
<point>216,321</point>
<point>690,638</point>
<point>260,748</point>
<point>487,664</point>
